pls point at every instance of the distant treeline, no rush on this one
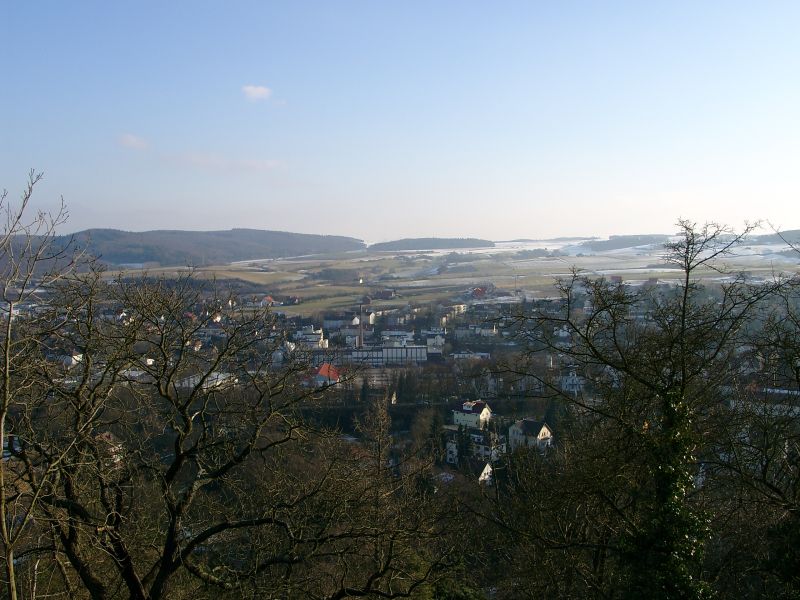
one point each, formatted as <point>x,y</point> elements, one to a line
<point>117,247</point>
<point>792,236</point>
<point>617,242</point>
<point>432,244</point>
<point>197,248</point>
<point>555,239</point>
<point>537,253</point>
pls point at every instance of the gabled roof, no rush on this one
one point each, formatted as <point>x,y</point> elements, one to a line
<point>474,407</point>
<point>329,372</point>
<point>531,427</point>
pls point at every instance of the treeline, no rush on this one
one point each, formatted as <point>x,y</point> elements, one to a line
<point>151,449</point>
<point>618,242</point>
<point>677,470</point>
<point>431,244</point>
<point>197,248</point>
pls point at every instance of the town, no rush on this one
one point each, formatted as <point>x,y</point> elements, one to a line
<point>409,432</point>
<point>425,300</point>
<point>463,358</point>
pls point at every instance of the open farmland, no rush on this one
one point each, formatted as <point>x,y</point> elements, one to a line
<point>418,277</point>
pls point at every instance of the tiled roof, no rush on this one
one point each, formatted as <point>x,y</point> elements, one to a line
<point>531,426</point>
<point>471,407</point>
<point>328,371</point>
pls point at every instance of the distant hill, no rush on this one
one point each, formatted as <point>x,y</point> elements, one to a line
<point>570,238</point>
<point>791,235</point>
<point>617,242</point>
<point>431,244</point>
<point>555,239</point>
<point>167,247</point>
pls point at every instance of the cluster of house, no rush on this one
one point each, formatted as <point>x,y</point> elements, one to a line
<point>375,340</point>
<point>474,437</point>
<point>356,340</point>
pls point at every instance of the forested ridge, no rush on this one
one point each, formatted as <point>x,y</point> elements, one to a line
<point>181,248</point>
<point>431,244</point>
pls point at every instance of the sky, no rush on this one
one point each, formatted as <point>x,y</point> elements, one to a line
<point>384,120</point>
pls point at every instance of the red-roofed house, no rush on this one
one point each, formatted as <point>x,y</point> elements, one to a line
<point>326,375</point>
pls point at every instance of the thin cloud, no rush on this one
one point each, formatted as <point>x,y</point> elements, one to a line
<point>129,140</point>
<point>257,164</point>
<point>255,93</point>
<point>215,162</point>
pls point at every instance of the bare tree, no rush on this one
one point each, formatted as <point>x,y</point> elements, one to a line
<point>657,367</point>
<point>153,449</point>
<point>31,260</point>
<point>202,469</point>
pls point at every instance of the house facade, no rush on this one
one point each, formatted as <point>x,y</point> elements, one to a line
<point>474,414</point>
<point>529,433</point>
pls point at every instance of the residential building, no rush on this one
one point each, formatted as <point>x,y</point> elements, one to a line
<point>529,433</point>
<point>472,414</point>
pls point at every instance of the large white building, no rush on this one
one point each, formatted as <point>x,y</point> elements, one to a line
<point>473,413</point>
<point>380,356</point>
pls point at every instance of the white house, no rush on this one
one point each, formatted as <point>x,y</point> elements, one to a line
<point>571,382</point>
<point>487,475</point>
<point>473,413</point>
<point>529,433</point>
<point>310,337</point>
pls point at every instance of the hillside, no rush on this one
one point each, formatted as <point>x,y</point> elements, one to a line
<point>618,242</point>
<point>791,235</point>
<point>167,247</point>
<point>431,244</point>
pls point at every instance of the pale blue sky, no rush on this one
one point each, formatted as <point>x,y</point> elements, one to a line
<point>384,120</point>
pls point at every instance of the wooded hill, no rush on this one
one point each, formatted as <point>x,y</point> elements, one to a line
<point>792,236</point>
<point>618,242</point>
<point>172,247</point>
<point>178,248</point>
<point>431,244</point>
